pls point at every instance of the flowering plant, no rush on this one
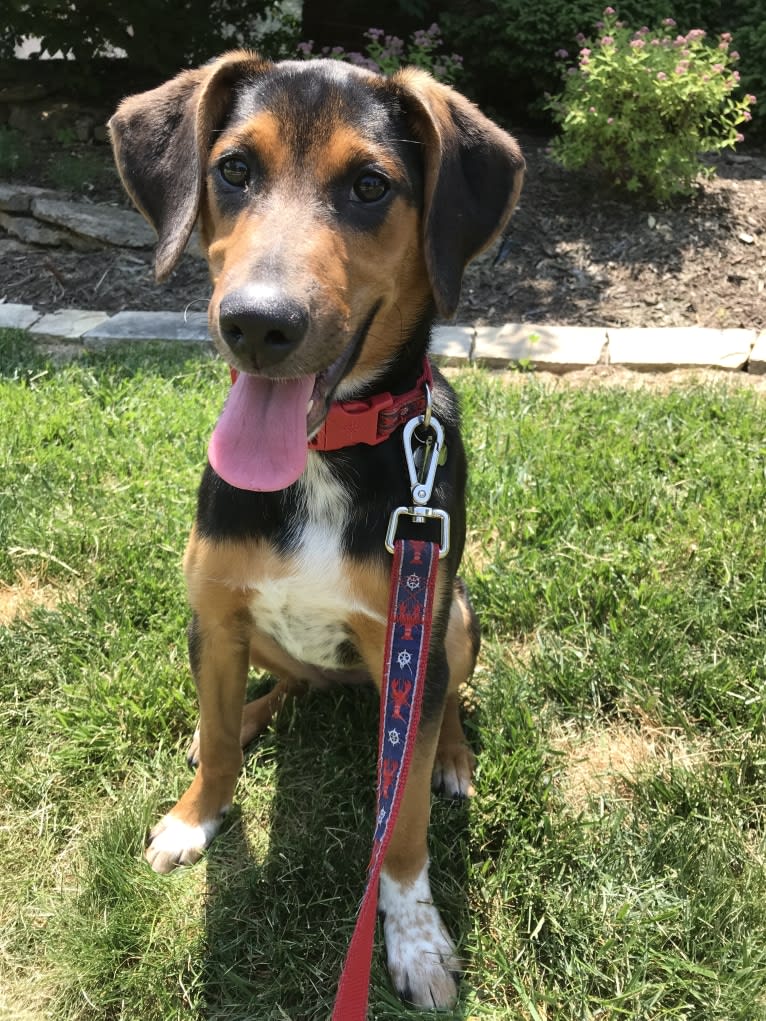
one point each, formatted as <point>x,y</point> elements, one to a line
<point>386,53</point>
<point>642,106</point>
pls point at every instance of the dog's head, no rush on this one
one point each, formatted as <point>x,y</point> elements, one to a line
<point>337,208</point>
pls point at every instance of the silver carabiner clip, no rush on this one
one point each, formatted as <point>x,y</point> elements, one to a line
<point>422,487</point>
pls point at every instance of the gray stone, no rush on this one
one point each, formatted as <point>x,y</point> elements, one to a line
<point>106,224</point>
<point>18,198</point>
<point>68,324</point>
<point>553,348</point>
<point>757,362</point>
<point>138,327</point>
<point>17,317</point>
<point>680,347</point>
<point>27,229</point>
<point>83,127</point>
<point>452,345</point>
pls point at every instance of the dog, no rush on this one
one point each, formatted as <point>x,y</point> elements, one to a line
<point>337,210</point>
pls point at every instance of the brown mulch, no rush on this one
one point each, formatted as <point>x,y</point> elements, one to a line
<point>576,256</point>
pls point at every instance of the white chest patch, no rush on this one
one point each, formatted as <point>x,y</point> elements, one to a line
<point>306,608</point>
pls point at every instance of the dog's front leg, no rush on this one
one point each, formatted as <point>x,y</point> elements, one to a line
<point>421,956</point>
<point>219,654</point>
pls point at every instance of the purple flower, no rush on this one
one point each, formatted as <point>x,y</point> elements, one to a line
<point>609,10</point>
<point>608,40</point>
<point>306,47</point>
<point>563,54</point>
<point>750,98</point>
<point>726,37</point>
<point>682,67</point>
<point>695,34</point>
<point>747,116</point>
<point>718,68</point>
<point>637,44</point>
<point>740,137</point>
<point>592,109</point>
<point>585,53</point>
<point>655,42</point>
<point>643,31</point>
<point>610,120</point>
<point>669,22</point>
<point>579,38</point>
<point>661,76</point>
<point>374,33</point>
<point>734,55</point>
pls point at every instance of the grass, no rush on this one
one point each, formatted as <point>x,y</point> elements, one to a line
<point>612,864</point>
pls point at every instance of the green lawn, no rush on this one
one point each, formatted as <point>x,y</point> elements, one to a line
<point>613,862</point>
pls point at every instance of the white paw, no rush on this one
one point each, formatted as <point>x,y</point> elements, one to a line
<point>173,842</point>
<point>421,956</point>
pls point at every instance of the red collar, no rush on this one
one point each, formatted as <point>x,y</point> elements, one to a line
<point>371,420</point>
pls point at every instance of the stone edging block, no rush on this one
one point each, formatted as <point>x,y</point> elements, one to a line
<point>452,345</point>
<point>671,347</point>
<point>555,348</point>
<point>66,325</point>
<point>17,317</point>
<point>138,327</point>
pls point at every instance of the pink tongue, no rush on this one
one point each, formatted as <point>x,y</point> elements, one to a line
<point>260,441</point>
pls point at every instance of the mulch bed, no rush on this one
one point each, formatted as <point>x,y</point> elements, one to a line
<point>576,256</point>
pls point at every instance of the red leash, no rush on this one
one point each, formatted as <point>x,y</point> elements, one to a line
<point>413,579</point>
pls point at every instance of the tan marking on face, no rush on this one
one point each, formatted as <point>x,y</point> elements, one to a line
<point>346,148</point>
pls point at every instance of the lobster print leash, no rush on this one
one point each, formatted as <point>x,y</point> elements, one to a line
<point>413,580</point>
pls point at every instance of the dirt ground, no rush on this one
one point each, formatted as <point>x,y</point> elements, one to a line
<point>575,256</point>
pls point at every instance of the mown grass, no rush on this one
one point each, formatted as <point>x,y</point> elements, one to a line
<point>617,560</point>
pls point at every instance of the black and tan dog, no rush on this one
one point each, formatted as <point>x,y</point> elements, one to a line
<point>337,210</point>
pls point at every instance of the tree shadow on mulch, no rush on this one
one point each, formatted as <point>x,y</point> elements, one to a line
<point>579,254</point>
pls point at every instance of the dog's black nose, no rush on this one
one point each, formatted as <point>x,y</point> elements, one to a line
<point>261,325</point>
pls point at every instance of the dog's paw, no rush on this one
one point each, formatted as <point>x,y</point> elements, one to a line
<point>421,956</point>
<point>174,842</point>
<point>453,770</point>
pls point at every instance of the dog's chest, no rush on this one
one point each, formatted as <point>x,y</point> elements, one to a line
<point>306,606</point>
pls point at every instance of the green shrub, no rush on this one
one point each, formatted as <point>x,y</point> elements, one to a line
<point>641,106</point>
<point>509,45</point>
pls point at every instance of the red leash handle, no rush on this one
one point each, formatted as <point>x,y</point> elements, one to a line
<point>413,580</point>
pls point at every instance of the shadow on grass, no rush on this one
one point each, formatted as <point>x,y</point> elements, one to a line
<point>281,905</point>
<point>21,357</point>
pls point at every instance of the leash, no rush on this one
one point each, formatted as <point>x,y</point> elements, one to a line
<point>410,611</point>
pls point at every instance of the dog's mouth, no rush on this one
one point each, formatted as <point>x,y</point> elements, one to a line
<point>260,441</point>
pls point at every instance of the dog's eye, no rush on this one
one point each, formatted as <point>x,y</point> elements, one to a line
<point>370,187</point>
<point>235,171</point>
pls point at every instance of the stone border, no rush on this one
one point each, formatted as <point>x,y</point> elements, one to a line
<point>551,348</point>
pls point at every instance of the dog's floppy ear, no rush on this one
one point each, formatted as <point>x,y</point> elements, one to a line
<point>161,140</point>
<point>473,177</point>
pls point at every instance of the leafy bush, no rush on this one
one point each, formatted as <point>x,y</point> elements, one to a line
<point>509,45</point>
<point>386,53</point>
<point>641,106</point>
